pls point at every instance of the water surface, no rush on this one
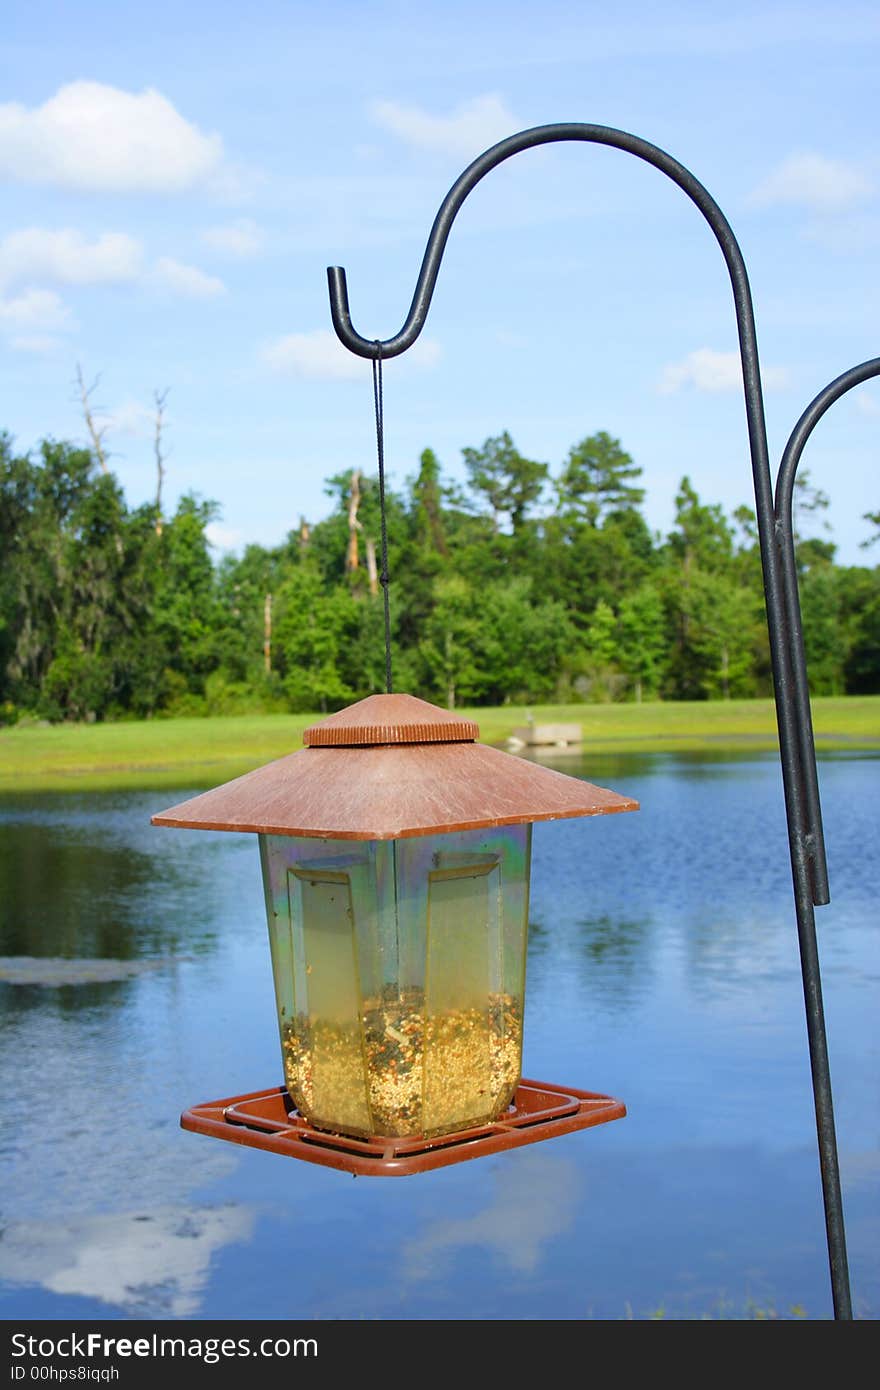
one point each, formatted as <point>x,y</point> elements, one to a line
<point>663,969</point>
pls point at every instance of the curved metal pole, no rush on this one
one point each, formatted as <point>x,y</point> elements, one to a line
<point>785,542</point>
<point>813,885</point>
<point>781,650</point>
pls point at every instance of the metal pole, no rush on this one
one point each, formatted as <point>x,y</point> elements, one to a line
<point>811,875</point>
<point>789,672</point>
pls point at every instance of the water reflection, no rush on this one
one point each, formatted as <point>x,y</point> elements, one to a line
<point>531,1203</point>
<point>88,876</point>
<point>66,1001</point>
<point>610,959</point>
<point>54,972</point>
<point>152,1263</point>
<point>617,944</point>
<point>103,921</point>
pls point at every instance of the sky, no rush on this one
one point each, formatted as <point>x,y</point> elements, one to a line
<point>177,177</point>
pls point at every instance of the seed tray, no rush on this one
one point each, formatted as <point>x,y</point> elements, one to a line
<point>269,1120</point>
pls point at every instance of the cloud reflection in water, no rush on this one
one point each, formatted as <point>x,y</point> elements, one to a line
<point>151,1264</point>
<point>533,1201</point>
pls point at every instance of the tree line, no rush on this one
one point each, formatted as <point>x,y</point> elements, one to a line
<point>521,585</point>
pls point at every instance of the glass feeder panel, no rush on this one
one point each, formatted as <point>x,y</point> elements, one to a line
<point>399,976</point>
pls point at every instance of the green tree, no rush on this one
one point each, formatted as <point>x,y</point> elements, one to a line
<point>451,646</point>
<point>186,611</point>
<point>602,652</point>
<point>102,612</point>
<point>98,607</point>
<point>311,630</point>
<point>859,591</point>
<point>525,642</point>
<point>699,546</point>
<point>243,584</point>
<point>509,482</point>
<point>874,518</point>
<point>722,617</point>
<point>701,537</point>
<point>39,500</point>
<point>596,545</point>
<point>73,600</point>
<point>808,502</point>
<point>427,506</point>
<point>643,640</point>
<point>824,632</point>
<point>597,480</point>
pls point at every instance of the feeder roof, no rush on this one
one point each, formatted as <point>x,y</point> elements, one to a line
<point>387,768</point>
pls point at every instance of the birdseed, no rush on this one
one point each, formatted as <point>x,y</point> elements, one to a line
<point>401,1071</point>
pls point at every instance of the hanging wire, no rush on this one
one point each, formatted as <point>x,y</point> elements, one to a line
<point>380,449</point>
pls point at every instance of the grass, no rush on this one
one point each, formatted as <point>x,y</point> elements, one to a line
<point>203,752</point>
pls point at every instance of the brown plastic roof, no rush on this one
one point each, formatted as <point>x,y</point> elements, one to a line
<point>390,719</point>
<point>361,788</point>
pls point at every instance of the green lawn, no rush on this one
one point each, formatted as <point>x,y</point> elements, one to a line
<point>202,752</point>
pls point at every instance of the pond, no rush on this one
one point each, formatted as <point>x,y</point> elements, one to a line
<point>662,969</point>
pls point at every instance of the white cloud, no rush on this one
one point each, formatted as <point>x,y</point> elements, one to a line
<point>426,352</point>
<point>31,320</point>
<point>707,370</point>
<point>815,182</point>
<point>868,405</point>
<point>113,258</point>
<point>186,280</point>
<point>242,238</point>
<point>222,537</point>
<point>68,258</point>
<point>319,356</point>
<point>129,418</point>
<point>466,131</point>
<point>41,343</point>
<point>36,311</point>
<point>94,137</point>
<point>507,338</point>
<point>847,234</point>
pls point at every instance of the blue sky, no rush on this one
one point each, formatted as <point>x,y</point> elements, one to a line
<point>177,177</point>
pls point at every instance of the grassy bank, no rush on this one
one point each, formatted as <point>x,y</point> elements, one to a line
<point>202,752</point>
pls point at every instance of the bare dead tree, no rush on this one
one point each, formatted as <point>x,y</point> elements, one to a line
<point>372,571</point>
<point>159,398</point>
<point>304,532</point>
<point>267,634</point>
<point>96,432</point>
<point>354,501</point>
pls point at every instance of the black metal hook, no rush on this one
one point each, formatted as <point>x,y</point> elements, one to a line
<point>490,159</point>
<point>789,669</point>
<point>785,541</point>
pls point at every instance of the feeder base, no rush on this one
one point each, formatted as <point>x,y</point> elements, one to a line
<point>269,1120</point>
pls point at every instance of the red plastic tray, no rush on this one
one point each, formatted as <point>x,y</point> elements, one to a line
<point>269,1120</point>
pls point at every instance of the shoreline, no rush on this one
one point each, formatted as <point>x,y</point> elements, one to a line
<point>203,752</point>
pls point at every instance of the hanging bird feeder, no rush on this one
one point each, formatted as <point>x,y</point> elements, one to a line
<point>396,852</point>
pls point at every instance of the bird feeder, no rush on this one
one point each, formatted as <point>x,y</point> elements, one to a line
<point>395,852</point>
